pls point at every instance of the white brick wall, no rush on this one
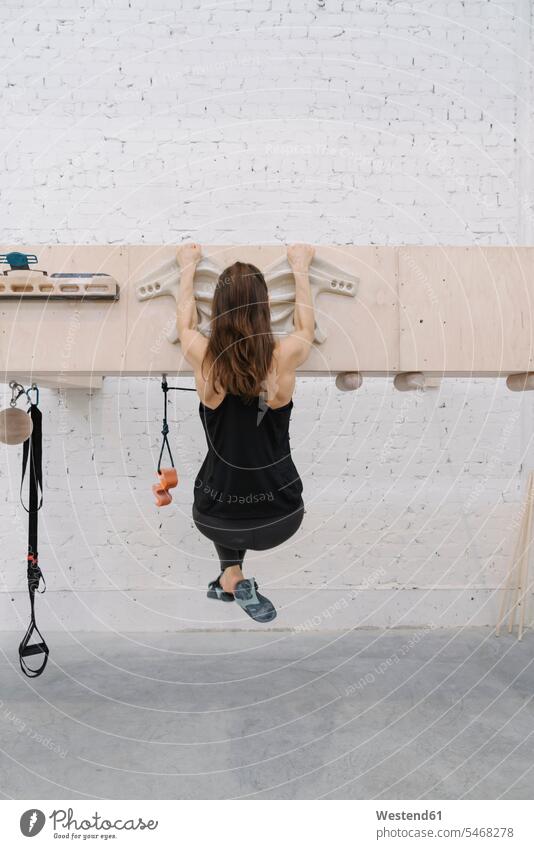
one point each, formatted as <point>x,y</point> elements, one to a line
<point>270,121</point>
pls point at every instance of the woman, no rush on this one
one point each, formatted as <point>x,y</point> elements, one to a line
<point>248,493</point>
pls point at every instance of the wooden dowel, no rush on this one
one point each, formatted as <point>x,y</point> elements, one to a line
<point>525,562</point>
<point>522,552</point>
<point>516,574</point>
<point>507,589</point>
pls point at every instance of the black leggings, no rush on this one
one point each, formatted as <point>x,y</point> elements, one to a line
<point>232,537</point>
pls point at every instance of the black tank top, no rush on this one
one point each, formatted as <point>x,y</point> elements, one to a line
<point>248,471</point>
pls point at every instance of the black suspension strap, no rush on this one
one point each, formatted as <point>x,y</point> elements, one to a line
<point>32,454</point>
<point>165,428</point>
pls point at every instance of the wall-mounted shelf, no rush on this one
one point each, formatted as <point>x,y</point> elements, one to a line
<point>20,282</point>
<point>436,311</point>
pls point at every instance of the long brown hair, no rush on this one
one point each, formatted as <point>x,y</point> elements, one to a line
<point>241,343</point>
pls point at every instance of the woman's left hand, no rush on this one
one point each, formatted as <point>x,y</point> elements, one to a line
<point>188,254</point>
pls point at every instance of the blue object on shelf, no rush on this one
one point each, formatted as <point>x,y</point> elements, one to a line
<point>18,261</point>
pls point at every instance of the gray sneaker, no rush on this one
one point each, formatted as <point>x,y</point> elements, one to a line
<point>253,603</point>
<point>216,591</point>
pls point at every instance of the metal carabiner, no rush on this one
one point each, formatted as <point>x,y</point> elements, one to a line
<point>15,395</point>
<point>13,385</point>
<point>33,388</point>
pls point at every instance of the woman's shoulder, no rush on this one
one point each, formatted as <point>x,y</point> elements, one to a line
<point>211,401</point>
<point>294,349</point>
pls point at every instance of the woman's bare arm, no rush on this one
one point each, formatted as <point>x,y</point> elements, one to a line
<point>193,343</point>
<point>188,257</point>
<point>296,347</point>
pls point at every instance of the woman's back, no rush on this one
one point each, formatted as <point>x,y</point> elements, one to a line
<point>248,471</point>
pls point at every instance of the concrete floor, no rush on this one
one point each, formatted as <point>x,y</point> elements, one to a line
<point>271,714</point>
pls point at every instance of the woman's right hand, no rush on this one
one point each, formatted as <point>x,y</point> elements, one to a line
<point>300,257</point>
<point>188,254</point>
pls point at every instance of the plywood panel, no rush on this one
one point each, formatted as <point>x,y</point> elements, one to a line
<point>466,309</point>
<point>363,334</point>
<point>65,337</point>
<point>451,310</point>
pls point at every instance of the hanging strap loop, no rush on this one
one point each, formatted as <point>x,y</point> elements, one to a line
<point>32,451</point>
<point>32,459</point>
<point>165,427</point>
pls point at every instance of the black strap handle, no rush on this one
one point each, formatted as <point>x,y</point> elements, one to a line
<point>26,650</point>
<point>32,457</point>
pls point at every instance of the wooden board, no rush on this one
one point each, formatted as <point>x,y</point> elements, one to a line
<point>466,309</point>
<point>66,337</point>
<point>362,332</point>
<point>440,310</point>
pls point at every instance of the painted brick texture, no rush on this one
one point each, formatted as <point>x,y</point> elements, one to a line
<point>268,122</point>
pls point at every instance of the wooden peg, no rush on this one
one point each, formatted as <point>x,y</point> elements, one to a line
<point>522,382</point>
<point>409,381</point>
<point>348,381</point>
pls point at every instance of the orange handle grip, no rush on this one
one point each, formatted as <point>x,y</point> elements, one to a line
<point>162,497</point>
<point>168,478</point>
